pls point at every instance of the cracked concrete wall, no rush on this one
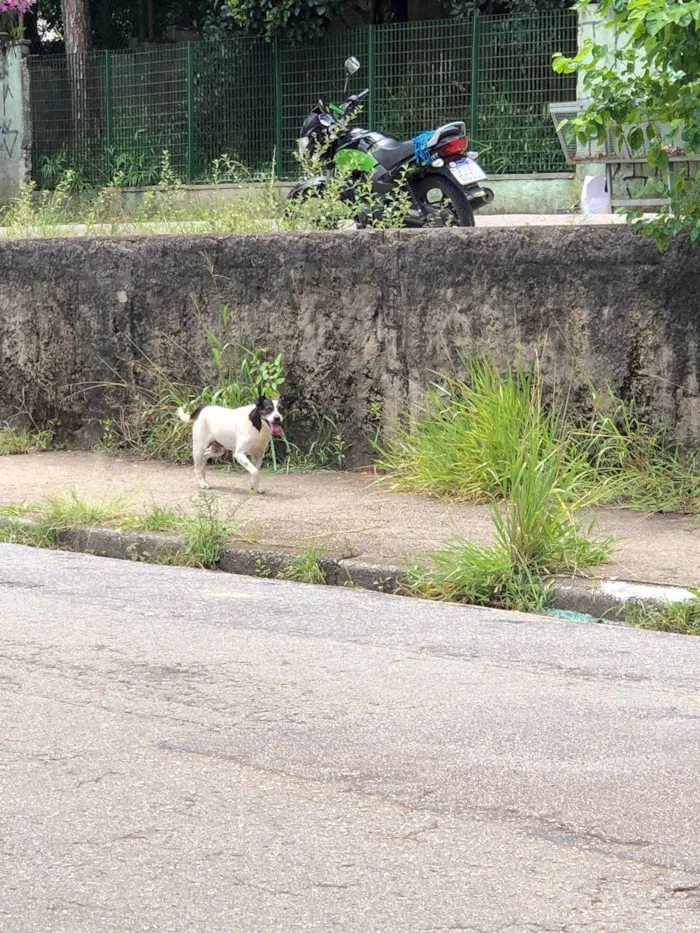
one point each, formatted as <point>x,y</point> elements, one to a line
<point>360,318</point>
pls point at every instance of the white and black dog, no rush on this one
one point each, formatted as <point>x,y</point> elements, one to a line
<point>247,431</point>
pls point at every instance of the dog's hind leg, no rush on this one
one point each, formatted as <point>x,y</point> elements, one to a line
<point>200,455</point>
<point>214,450</point>
<point>202,449</point>
<point>252,468</point>
<point>200,466</point>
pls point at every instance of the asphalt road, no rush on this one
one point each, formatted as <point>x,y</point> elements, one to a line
<point>183,751</point>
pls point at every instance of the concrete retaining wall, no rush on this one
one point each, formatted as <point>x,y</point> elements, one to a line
<point>360,317</point>
<point>546,193</point>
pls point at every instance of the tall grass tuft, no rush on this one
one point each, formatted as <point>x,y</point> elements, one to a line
<point>640,466</point>
<point>468,442</point>
<point>491,437</point>
<point>536,535</point>
<point>23,441</point>
<point>468,438</point>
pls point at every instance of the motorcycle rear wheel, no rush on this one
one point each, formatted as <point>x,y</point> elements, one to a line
<point>443,202</point>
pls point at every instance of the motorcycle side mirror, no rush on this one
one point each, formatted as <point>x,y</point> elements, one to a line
<point>352,65</point>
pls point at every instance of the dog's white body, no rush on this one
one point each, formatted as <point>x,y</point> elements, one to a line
<point>215,429</point>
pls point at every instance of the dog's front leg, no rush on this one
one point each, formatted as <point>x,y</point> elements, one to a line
<point>251,468</point>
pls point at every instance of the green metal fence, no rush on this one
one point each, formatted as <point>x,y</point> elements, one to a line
<point>118,111</point>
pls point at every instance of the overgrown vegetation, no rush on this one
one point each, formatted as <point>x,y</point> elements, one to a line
<point>646,93</point>
<point>39,524</point>
<point>679,618</point>
<point>346,197</point>
<point>470,438</point>
<point>146,424</point>
<point>491,437</point>
<point>72,207</point>
<point>25,440</point>
<point>206,533</point>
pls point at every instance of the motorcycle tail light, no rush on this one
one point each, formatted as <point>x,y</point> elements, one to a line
<point>455,147</point>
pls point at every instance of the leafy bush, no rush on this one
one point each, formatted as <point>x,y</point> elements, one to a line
<point>293,20</point>
<point>646,93</point>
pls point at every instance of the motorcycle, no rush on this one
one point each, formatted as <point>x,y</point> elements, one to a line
<point>444,179</point>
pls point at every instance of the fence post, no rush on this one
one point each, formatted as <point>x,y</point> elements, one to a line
<point>278,107</point>
<point>372,75</point>
<point>190,113</point>
<point>109,117</point>
<point>474,117</point>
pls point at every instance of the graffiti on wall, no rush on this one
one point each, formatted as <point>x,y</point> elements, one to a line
<point>8,135</point>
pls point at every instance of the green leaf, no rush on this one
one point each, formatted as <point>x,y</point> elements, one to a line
<point>636,139</point>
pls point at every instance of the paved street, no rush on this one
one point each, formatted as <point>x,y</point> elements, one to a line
<point>185,751</point>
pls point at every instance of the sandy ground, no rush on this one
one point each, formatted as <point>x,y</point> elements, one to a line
<point>347,514</point>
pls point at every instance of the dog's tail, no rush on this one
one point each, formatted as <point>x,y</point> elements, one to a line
<point>191,418</point>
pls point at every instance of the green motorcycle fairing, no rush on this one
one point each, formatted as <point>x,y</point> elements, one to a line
<point>355,161</point>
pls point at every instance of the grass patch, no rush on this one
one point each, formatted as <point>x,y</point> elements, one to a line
<point>640,467</point>
<point>304,568</point>
<point>466,444</point>
<point>68,510</point>
<point>157,519</point>
<point>491,437</point>
<point>14,530</point>
<point>24,441</point>
<point>469,437</point>
<point>40,523</point>
<point>74,208</point>
<point>205,532</point>
<point>679,618</point>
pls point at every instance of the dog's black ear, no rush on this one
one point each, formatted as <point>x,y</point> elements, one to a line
<point>256,418</point>
<point>261,402</point>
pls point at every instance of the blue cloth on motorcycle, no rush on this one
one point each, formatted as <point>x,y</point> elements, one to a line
<point>422,153</point>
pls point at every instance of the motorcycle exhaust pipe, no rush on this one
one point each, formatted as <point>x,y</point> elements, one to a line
<point>480,196</point>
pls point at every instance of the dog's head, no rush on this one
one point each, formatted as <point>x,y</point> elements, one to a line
<point>269,411</point>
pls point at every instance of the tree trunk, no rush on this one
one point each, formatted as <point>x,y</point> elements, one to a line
<point>77,29</point>
<point>77,33</point>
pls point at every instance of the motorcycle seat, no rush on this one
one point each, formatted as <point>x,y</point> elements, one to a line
<point>391,152</point>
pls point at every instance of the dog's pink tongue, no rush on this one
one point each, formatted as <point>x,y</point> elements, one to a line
<point>276,429</point>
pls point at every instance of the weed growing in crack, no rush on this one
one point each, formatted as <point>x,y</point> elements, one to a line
<point>679,618</point>
<point>206,533</point>
<point>305,567</point>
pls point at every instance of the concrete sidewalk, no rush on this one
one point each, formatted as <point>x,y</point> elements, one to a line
<point>347,514</point>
